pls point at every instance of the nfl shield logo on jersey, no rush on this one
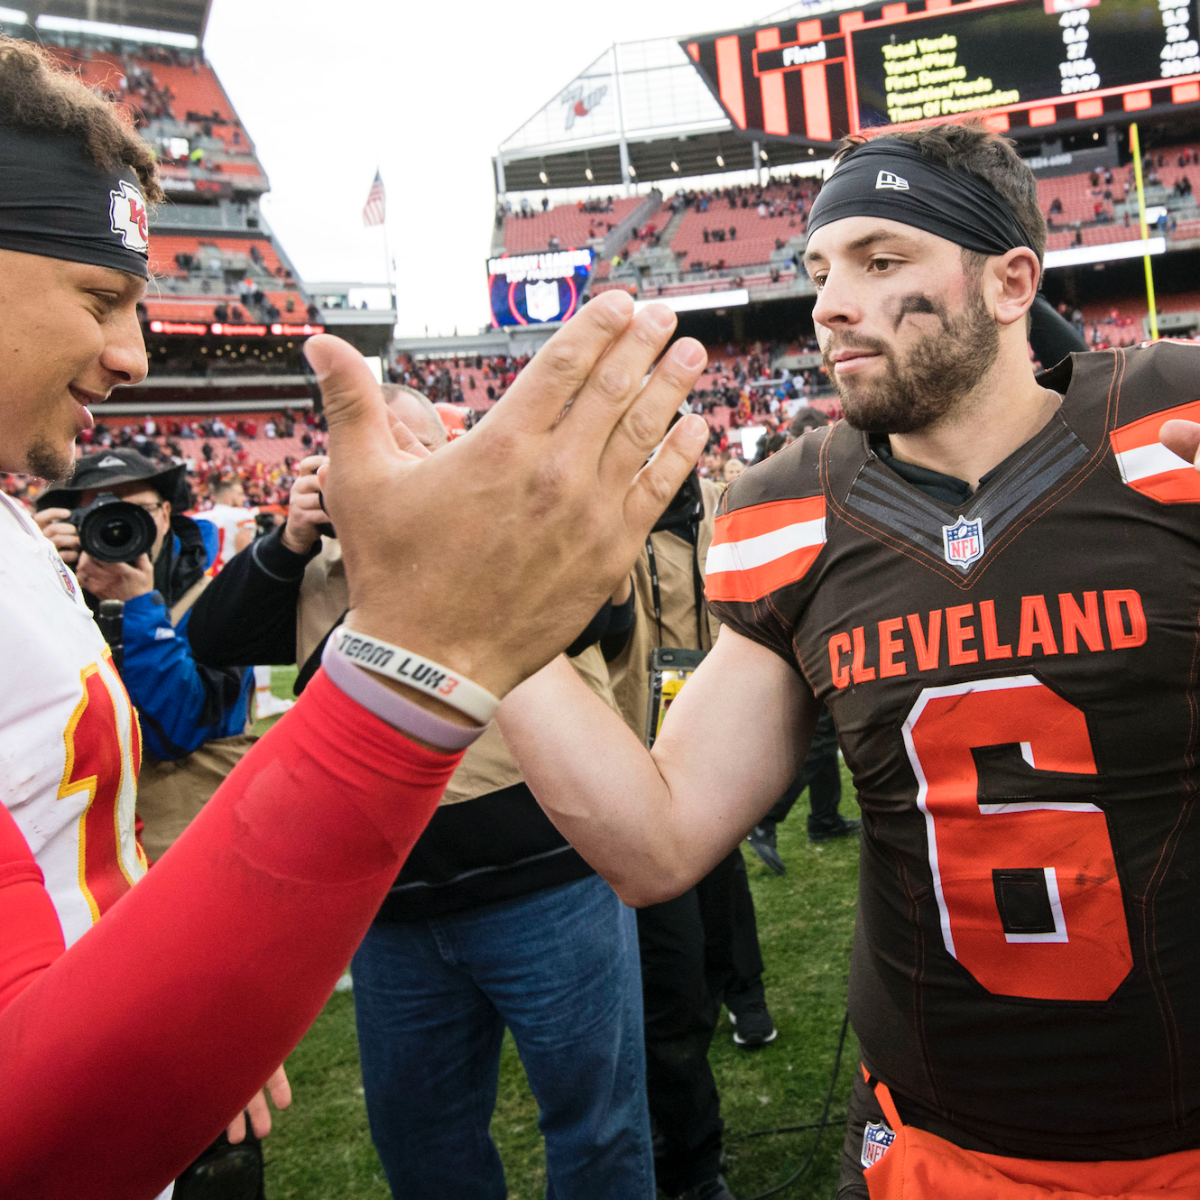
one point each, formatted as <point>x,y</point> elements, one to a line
<point>962,542</point>
<point>876,1140</point>
<point>541,300</point>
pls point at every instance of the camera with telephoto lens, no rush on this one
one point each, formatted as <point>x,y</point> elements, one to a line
<point>112,530</point>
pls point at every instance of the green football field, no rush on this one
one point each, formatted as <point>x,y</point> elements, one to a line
<point>321,1150</point>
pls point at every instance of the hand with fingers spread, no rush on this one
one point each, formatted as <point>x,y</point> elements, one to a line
<point>491,555</point>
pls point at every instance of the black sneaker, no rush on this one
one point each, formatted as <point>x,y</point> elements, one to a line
<point>844,828</point>
<point>762,842</point>
<point>753,1027</point>
<point>710,1189</point>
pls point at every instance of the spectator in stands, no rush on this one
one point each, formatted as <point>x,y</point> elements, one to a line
<point>539,942</point>
<point>732,469</point>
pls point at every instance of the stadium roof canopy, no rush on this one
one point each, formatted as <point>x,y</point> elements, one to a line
<point>640,113</point>
<point>184,18</point>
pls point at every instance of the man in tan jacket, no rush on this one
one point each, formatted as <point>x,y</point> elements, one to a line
<point>494,922</point>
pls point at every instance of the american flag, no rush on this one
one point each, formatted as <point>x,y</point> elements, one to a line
<point>373,210</point>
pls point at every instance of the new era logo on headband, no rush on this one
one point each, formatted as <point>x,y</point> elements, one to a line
<point>885,179</point>
<point>111,461</point>
<point>127,216</point>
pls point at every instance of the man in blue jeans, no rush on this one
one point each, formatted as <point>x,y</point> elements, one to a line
<point>494,921</point>
<point>559,968</point>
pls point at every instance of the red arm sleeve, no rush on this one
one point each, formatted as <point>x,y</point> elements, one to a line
<point>30,935</point>
<point>128,1055</point>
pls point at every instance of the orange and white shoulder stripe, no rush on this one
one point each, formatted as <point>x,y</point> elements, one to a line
<point>757,550</point>
<point>1147,466</point>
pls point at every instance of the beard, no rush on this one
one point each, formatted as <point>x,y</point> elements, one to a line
<point>49,462</point>
<point>937,374</point>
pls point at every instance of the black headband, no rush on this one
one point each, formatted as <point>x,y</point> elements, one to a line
<point>56,202</point>
<point>893,179</point>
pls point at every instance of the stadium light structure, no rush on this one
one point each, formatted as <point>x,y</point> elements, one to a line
<point>129,33</point>
<point>698,302</point>
<point>13,16</point>
<point>1074,256</point>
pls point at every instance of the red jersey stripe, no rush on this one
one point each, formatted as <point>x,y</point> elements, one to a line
<point>767,546</point>
<point>1149,467</point>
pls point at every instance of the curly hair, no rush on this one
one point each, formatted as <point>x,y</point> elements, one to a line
<point>37,94</point>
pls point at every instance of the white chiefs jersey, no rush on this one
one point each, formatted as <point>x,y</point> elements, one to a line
<point>229,522</point>
<point>70,746</point>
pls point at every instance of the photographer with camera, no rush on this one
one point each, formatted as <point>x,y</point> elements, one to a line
<point>115,526</point>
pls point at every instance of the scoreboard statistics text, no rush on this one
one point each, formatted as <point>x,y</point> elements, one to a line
<point>1024,62</point>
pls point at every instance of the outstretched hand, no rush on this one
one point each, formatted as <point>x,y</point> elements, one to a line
<point>491,555</point>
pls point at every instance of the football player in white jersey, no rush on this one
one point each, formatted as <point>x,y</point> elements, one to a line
<point>70,746</point>
<point>234,522</point>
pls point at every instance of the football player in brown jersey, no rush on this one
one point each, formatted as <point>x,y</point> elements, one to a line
<point>992,579</point>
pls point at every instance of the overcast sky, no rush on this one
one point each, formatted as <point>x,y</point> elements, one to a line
<point>425,90</point>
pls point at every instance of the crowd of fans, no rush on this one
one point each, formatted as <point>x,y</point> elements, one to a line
<point>741,389</point>
<point>211,448</point>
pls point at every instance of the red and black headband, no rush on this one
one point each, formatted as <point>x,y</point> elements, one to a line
<point>54,201</point>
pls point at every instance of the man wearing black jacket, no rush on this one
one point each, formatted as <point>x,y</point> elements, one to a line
<point>494,921</point>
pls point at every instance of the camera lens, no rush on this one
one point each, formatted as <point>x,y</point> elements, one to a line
<point>113,530</point>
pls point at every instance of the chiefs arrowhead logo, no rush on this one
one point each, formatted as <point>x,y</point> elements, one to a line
<point>127,216</point>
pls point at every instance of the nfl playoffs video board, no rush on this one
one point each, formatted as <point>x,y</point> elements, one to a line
<point>1027,63</point>
<point>536,289</point>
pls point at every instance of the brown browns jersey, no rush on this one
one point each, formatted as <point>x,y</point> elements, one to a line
<point>1014,683</point>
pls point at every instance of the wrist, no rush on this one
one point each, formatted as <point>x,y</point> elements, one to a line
<point>456,658</point>
<point>296,543</point>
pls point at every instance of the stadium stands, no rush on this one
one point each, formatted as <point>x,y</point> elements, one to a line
<point>746,236</point>
<point>171,84</point>
<point>569,223</point>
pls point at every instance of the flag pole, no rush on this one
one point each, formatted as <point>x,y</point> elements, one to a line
<point>1136,150</point>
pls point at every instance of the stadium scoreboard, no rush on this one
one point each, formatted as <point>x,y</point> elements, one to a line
<point>537,289</point>
<point>1022,62</point>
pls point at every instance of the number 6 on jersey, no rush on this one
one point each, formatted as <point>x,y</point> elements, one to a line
<point>1027,887</point>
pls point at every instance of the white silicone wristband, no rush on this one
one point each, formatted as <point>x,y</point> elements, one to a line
<point>418,672</point>
<point>399,712</point>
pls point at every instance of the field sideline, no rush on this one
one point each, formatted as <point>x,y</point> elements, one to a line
<point>321,1149</point>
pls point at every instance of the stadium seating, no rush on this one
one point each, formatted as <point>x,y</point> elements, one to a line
<point>754,244</point>
<point>234,252</point>
<point>654,224</point>
<point>181,308</point>
<point>193,89</point>
<point>567,222</point>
